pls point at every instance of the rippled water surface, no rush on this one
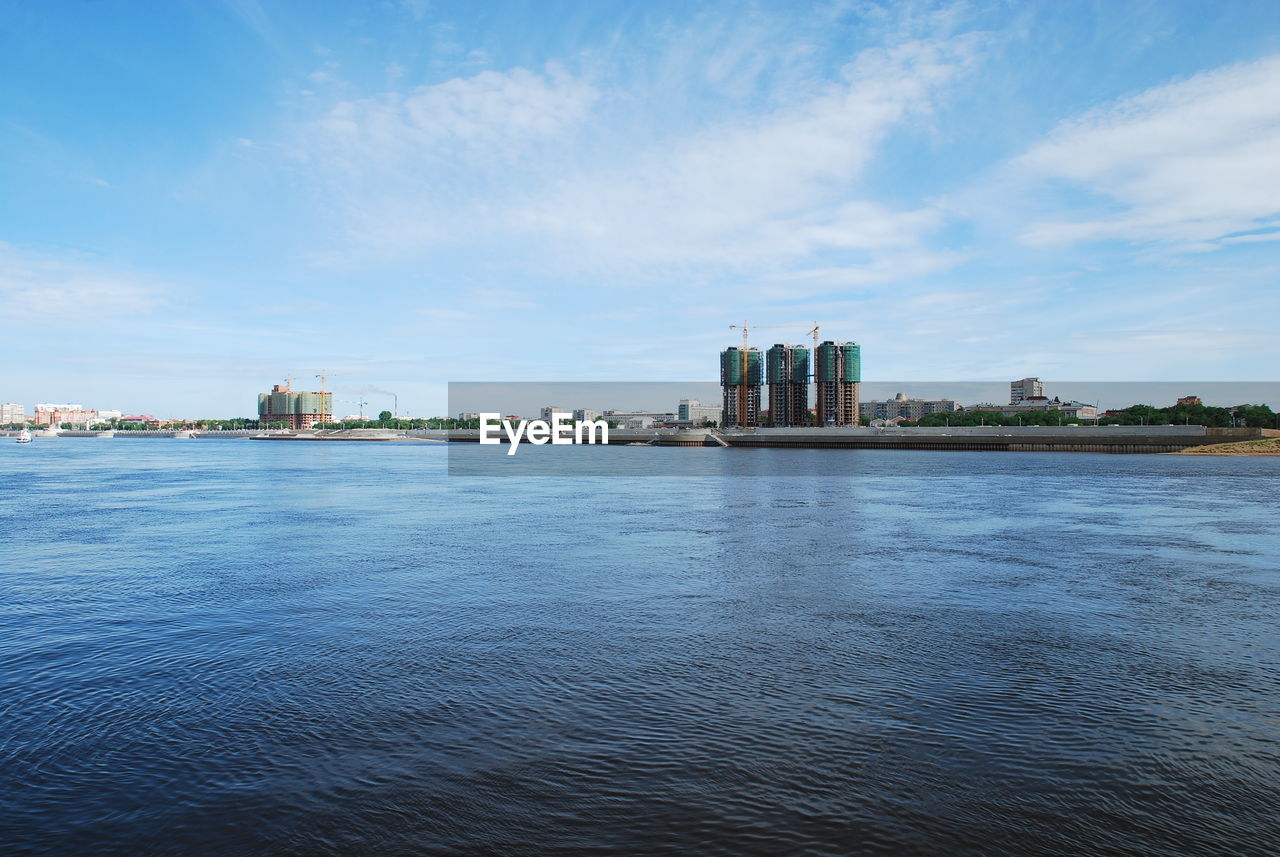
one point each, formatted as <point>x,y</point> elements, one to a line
<point>239,647</point>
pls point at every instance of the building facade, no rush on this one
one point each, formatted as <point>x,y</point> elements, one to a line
<point>637,419</point>
<point>12,412</point>
<point>902,407</point>
<point>48,414</point>
<point>837,376</point>
<point>296,409</point>
<point>693,411</point>
<point>548,413</point>
<point>1025,388</point>
<point>787,373</point>
<point>1070,410</point>
<point>741,377</point>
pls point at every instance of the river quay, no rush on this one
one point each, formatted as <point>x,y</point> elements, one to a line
<point>1105,439</point>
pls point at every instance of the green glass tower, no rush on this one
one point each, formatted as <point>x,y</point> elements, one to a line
<point>837,375</point>
<point>741,377</point>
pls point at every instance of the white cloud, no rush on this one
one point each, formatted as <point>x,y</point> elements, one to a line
<point>1183,164</point>
<point>535,162</point>
<point>484,116</point>
<point>44,288</point>
<point>760,188</point>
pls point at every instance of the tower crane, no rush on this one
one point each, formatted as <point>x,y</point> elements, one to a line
<point>745,327</point>
<point>324,374</point>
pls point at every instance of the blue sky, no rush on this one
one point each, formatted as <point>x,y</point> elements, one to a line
<point>199,198</point>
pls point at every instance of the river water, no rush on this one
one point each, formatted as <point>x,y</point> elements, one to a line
<point>240,648</point>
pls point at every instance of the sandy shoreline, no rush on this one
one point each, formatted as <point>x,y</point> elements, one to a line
<point>1264,446</point>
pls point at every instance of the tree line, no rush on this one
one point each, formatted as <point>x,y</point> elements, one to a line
<point>1253,416</point>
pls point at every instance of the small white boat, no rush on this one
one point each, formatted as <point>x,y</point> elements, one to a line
<point>24,436</point>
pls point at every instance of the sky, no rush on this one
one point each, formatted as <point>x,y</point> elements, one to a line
<point>201,198</point>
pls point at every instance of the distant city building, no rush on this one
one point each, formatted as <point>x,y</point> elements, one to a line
<point>467,416</point>
<point>638,419</point>
<point>1190,400</point>
<point>787,374</point>
<point>551,410</point>
<point>837,374</point>
<point>902,407</point>
<point>1070,410</point>
<point>48,414</point>
<point>12,412</point>
<point>1025,388</point>
<point>693,411</point>
<point>741,376</point>
<point>585,415</point>
<point>108,415</point>
<point>296,409</point>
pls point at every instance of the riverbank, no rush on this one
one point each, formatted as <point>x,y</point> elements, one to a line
<point>1265,446</point>
<point>367,435</point>
<point>1070,438</point>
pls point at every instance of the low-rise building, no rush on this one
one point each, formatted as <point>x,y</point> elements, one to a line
<point>1070,410</point>
<point>550,411</point>
<point>907,408</point>
<point>48,414</point>
<point>694,412</point>
<point>138,421</point>
<point>638,419</point>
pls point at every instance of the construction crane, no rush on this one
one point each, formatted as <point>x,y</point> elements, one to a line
<point>819,414</point>
<point>742,387</point>
<point>742,382</point>
<point>745,327</point>
<point>324,374</point>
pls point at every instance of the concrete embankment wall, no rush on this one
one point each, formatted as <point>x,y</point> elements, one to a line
<point>1106,439</point>
<point>617,437</point>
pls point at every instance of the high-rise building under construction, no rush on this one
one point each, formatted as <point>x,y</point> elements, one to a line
<point>293,408</point>
<point>837,373</point>
<point>741,374</point>
<point>787,371</point>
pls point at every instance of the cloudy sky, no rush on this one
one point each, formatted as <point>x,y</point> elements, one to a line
<point>200,198</point>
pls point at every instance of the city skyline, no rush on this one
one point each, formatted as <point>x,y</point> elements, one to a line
<point>530,396</point>
<point>202,199</point>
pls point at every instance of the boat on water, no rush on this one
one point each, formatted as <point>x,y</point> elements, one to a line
<point>24,436</point>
